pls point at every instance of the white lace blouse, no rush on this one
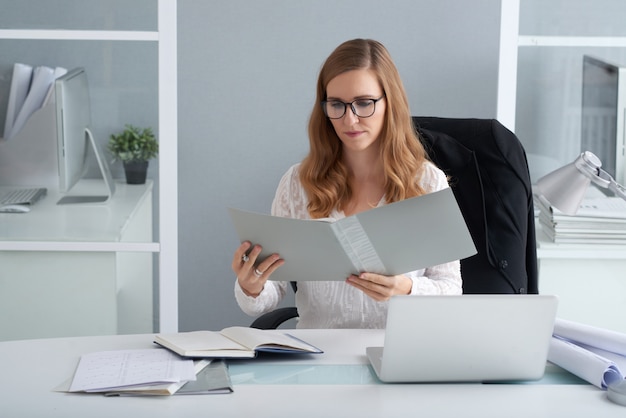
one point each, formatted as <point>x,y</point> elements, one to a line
<point>335,304</point>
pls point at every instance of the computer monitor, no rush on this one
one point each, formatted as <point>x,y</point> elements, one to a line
<point>74,137</point>
<point>603,112</point>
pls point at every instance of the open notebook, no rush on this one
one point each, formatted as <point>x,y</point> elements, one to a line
<point>465,338</point>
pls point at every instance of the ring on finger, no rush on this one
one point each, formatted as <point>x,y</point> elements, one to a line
<point>245,258</point>
<point>258,273</point>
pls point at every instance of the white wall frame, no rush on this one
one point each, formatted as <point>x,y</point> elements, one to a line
<point>83,35</point>
<point>507,69</point>
<point>168,166</point>
<point>573,41</point>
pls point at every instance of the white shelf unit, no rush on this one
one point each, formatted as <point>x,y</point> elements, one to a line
<point>52,287</point>
<point>588,278</point>
<point>167,247</point>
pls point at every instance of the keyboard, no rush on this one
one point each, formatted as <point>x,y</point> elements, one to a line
<point>28,196</point>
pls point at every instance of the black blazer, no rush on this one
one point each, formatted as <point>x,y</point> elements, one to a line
<point>488,173</point>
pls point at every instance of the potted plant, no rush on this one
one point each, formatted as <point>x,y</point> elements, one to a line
<point>134,147</point>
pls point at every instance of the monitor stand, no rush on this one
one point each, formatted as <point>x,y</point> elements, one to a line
<point>106,175</point>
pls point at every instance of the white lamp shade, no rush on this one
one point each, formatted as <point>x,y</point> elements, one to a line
<point>565,187</point>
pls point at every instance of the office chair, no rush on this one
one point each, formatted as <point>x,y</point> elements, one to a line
<point>488,174</point>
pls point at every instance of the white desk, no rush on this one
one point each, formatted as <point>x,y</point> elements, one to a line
<point>31,369</point>
<point>62,273</point>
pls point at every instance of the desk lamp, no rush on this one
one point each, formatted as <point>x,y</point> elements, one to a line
<point>565,187</point>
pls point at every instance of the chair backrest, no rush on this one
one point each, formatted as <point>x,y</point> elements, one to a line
<point>488,173</point>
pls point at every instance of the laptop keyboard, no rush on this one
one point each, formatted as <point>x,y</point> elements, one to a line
<point>27,196</point>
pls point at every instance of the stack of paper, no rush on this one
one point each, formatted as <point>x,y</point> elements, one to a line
<point>148,372</point>
<point>594,354</point>
<point>599,220</point>
<point>30,91</point>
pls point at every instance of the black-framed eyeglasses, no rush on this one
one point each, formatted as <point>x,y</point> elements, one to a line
<point>362,108</point>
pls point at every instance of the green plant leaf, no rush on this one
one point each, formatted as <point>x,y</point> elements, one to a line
<point>134,144</point>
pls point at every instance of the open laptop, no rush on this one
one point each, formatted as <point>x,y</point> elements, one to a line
<point>465,338</point>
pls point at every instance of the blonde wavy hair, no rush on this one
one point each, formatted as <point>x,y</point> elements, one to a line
<point>323,174</point>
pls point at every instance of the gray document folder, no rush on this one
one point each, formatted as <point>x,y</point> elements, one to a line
<point>392,239</point>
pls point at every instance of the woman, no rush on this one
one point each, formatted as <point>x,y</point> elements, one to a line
<point>364,153</point>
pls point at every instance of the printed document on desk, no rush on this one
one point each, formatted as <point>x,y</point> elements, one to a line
<point>120,370</point>
<point>393,239</point>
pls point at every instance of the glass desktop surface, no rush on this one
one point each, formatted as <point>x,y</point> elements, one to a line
<point>257,373</point>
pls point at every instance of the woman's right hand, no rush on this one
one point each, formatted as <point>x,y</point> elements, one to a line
<point>250,274</point>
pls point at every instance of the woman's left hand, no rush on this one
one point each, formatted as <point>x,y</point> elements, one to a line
<point>380,287</point>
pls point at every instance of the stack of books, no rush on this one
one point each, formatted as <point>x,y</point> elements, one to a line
<point>599,220</point>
